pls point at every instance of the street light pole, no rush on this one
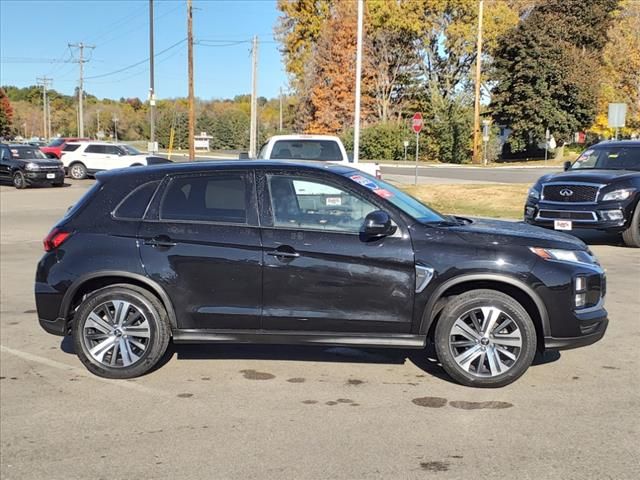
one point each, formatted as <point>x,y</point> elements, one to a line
<point>356,123</point>
<point>152,96</point>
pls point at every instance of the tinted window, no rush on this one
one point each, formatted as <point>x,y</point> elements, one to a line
<point>57,142</point>
<point>129,150</point>
<point>300,202</point>
<point>610,157</point>
<point>322,150</point>
<point>25,153</point>
<point>113,150</point>
<point>70,147</point>
<point>135,204</point>
<point>219,198</point>
<point>4,153</point>
<point>95,149</point>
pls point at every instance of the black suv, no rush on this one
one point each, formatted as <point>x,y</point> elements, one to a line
<point>24,165</point>
<point>600,190</point>
<point>306,253</point>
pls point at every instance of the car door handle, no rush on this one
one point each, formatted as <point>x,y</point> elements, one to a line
<point>161,242</point>
<point>286,252</point>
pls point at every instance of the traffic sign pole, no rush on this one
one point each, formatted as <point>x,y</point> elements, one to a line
<point>417,147</point>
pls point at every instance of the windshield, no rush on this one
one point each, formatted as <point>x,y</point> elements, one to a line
<point>405,202</point>
<point>130,150</point>
<point>27,153</point>
<point>56,143</point>
<point>610,158</point>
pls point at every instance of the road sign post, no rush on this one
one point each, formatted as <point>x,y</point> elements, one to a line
<point>617,116</point>
<point>416,125</point>
<point>485,140</point>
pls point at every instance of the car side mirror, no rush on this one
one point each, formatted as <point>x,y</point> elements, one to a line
<point>566,166</point>
<point>377,225</point>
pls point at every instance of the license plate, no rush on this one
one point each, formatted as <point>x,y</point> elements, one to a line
<point>51,175</point>
<point>562,224</point>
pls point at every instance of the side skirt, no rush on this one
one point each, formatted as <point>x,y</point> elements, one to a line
<point>389,340</point>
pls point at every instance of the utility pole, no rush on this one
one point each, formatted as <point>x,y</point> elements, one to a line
<point>476,109</point>
<point>81,61</point>
<point>280,124</point>
<point>356,123</point>
<point>115,128</point>
<point>253,128</point>
<point>192,116</point>
<point>49,118</point>
<point>44,82</point>
<point>152,95</point>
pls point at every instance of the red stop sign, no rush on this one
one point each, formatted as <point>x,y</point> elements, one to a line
<point>416,122</point>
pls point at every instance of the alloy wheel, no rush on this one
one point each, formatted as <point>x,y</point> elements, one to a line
<point>485,341</point>
<point>77,172</point>
<point>116,333</point>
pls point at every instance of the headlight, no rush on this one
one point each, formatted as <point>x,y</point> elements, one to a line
<point>569,256</point>
<point>32,166</point>
<point>534,193</point>
<point>621,194</point>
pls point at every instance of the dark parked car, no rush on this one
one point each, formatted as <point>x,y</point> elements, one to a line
<point>601,190</point>
<point>24,165</point>
<point>306,253</point>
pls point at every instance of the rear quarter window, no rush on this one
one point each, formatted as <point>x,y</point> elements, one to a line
<point>70,147</point>
<point>134,205</point>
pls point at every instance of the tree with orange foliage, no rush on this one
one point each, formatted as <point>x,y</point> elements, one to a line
<point>6,114</point>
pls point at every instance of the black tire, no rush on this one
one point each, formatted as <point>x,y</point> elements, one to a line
<point>78,171</point>
<point>631,235</point>
<point>158,332</point>
<point>19,181</point>
<point>459,308</point>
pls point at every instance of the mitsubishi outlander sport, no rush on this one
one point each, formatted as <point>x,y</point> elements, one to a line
<point>307,254</point>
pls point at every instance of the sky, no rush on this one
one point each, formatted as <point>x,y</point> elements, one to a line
<point>34,38</point>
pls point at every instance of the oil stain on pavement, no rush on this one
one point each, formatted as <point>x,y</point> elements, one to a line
<point>431,402</point>
<point>255,375</point>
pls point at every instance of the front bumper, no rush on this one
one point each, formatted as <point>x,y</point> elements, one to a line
<point>593,216</point>
<point>44,177</point>
<point>596,330</point>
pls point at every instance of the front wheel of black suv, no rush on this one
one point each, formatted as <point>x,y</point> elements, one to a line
<point>485,338</point>
<point>120,331</point>
<point>631,235</point>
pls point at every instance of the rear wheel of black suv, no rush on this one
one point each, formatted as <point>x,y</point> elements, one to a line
<point>120,331</point>
<point>631,235</point>
<point>485,338</point>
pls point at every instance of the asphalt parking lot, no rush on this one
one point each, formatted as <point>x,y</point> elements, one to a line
<point>220,412</point>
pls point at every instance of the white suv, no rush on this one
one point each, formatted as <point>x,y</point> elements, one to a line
<point>81,159</point>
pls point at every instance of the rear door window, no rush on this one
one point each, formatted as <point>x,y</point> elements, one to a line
<point>219,198</point>
<point>100,149</point>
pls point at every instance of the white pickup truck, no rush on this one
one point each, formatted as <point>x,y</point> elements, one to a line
<point>321,148</point>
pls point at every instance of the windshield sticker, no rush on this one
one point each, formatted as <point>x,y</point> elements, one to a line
<point>381,192</point>
<point>333,201</point>
<point>365,182</point>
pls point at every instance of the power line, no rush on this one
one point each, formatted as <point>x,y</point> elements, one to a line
<point>129,67</point>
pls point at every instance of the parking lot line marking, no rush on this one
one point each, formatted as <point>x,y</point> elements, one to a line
<point>79,371</point>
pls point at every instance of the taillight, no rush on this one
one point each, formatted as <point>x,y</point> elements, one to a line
<point>55,238</point>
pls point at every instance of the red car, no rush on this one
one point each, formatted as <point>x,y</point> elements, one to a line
<point>54,149</point>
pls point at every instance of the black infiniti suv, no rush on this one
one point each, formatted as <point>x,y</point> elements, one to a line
<point>306,253</point>
<point>601,190</point>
